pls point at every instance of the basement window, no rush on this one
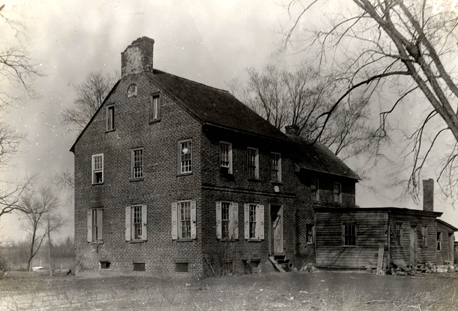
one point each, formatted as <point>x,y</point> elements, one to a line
<point>181,267</point>
<point>139,266</point>
<point>105,265</point>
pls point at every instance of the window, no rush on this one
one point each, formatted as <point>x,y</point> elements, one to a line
<point>275,167</point>
<point>253,163</point>
<point>136,221</point>
<point>227,220</point>
<point>181,267</point>
<point>310,230</point>
<point>254,221</point>
<point>225,151</point>
<point>155,108</point>
<point>185,157</point>
<point>314,190</point>
<point>424,236</point>
<point>132,90</point>
<point>184,220</point>
<point>398,233</point>
<point>349,234</point>
<point>110,118</point>
<point>139,266</point>
<point>337,193</point>
<point>439,240</point>
<point>105,265</point>
<point>97,169</point>
<point>95,225</point>
<point>136,163</point>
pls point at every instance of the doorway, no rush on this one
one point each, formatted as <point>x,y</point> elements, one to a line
<point>276,222</point>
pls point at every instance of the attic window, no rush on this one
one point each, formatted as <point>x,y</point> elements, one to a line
<point>132,90</point>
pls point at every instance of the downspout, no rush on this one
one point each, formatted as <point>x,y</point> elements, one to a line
<point>388,240</point>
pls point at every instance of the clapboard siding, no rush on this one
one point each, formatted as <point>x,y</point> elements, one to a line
<point>370,233</point>
<point>376,227</point>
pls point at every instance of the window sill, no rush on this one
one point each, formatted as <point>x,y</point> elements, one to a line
<point>254,179</point>
<point>136,241</point>
<point>95,243</point>
<point>136,179</point>
<point>254,240</point>
<point>184,174</point>
<point>278,183</point>
<point>98,184</point>
<point>349,246</point>
<point>155,121</point>
<point>184,240</point>
<point>228,240</point>
<point>109,131</point>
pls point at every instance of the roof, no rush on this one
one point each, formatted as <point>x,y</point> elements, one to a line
<point>317,157</point>
<point>216,107</point>
<point>390,210</point>
<point>447,224</point>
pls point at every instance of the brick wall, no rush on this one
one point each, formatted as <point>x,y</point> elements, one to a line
<point>159,188</point>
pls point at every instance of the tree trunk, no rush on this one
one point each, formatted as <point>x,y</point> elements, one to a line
<point>51,265</point>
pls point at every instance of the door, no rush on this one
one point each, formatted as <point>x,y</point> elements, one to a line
<point>276,215</point>
<point>413,245</point>
<point>451,244</point>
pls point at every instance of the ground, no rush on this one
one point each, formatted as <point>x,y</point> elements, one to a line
<point>275,291</point>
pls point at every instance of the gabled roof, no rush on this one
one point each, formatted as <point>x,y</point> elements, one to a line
<point>447,224</point>
<point>317,157</point>
<point>216,107</point>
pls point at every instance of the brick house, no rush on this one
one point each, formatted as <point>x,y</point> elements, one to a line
<point>173,176</point>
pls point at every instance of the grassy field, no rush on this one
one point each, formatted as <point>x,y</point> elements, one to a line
<point>288,291</point>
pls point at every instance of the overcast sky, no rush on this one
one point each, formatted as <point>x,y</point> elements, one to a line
<point>210,42</point>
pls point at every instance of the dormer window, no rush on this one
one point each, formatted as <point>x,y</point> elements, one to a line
<point>132,90</point>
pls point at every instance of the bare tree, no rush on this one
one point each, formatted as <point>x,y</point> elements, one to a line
<point>40,209</point>
<point>90,96</point>
<point>403,46</point>
<point>16,70</point>
<point>298,98</point>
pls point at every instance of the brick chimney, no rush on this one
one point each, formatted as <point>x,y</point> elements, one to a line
<point>138,57</point>
<point>428,195</point>
<point>292,130</point>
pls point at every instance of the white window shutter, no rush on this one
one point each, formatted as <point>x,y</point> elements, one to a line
<point>235,220</point>
<point>128,229</point>
<point>193,220</point>
<point>218,220</point>
<point>246,208</point>
<point>144,223</point>
<point>174,221</point>
<point>100,224</point>
<point>260,222</point>
<point>89,225</point>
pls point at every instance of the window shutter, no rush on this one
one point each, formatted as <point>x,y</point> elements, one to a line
<point>99,225</point>
<point>145,223</point>
<point>89,225</point>
<point>174,221</point>
<point>218,220</point>
<point>246,208</point>
<point>235,220</point>
<point>193,220</point>
<point>260,222</point>
<point>128,229</point>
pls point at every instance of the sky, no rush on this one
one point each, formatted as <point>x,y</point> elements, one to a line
<point>208,41</point>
